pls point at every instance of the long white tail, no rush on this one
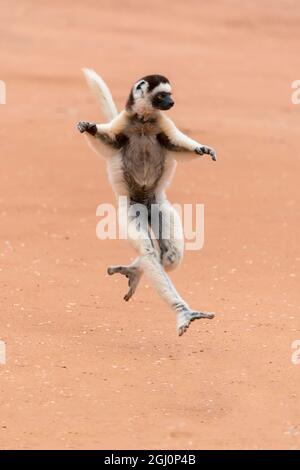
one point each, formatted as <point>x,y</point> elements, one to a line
<point>101,92</point>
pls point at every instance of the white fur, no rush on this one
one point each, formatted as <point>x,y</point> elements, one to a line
<point>99,147</point>
<point>178,138</point>
<point>102,93</point>
<point>162,87</point>
<point>115,175</point>
<point>149,262</point>
<point>115,126</point>
<point>143,106</point>
<point>140,89</point>
<point>111,128</point>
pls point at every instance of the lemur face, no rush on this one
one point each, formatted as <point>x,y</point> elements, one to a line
<point>162,100</point>
<point>150,93</point>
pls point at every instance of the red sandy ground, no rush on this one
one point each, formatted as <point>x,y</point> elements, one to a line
<point>85,369</point>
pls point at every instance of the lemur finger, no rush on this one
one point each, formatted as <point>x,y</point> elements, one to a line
<point>213,154</point>
<point>81,126</point>
<point>84,126</point>
<point>210,151</point>
<point>205,150</point>
<point>199,150</point>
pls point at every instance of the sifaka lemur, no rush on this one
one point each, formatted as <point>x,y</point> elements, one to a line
<point>142,146</point>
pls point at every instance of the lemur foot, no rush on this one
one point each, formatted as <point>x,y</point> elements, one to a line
<point>84,126</point>
<point>187,316</point>
<point>204,150</point>
<point>133,275</point>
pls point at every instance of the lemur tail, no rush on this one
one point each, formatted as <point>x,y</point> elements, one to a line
<point>102,93</point>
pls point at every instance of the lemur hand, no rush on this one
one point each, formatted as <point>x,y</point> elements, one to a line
<point>84,126</point>
<point>204,150</point>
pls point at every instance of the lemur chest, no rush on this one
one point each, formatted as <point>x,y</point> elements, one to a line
<point>143,161</point>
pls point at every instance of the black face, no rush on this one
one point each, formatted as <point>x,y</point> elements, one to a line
<point>162,100</point>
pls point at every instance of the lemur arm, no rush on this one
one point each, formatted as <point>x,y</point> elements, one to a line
<point>109,133</point>
<point>176,141</point>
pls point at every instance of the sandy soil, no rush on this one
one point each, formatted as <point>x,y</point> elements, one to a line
<point>85,369</point>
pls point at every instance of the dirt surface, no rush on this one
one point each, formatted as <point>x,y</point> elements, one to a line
<point>85,369</point>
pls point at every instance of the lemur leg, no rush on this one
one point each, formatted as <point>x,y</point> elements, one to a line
<point>167,228</point>
<point>139,237</point>
<point>166,222</point>
<point>170,238</point>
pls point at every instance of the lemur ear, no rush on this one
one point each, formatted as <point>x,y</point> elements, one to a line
<point>139,88</point>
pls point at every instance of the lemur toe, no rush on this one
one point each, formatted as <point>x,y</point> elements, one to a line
<point>185,318</point>
<point>129,294</point>
<point>208,315</point>
<point>131,273</point>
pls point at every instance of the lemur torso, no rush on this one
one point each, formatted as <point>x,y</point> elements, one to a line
<point>142,167</point>
<point>143,159</point>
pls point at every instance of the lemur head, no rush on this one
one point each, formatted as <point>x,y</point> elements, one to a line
<point>149,94</point>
